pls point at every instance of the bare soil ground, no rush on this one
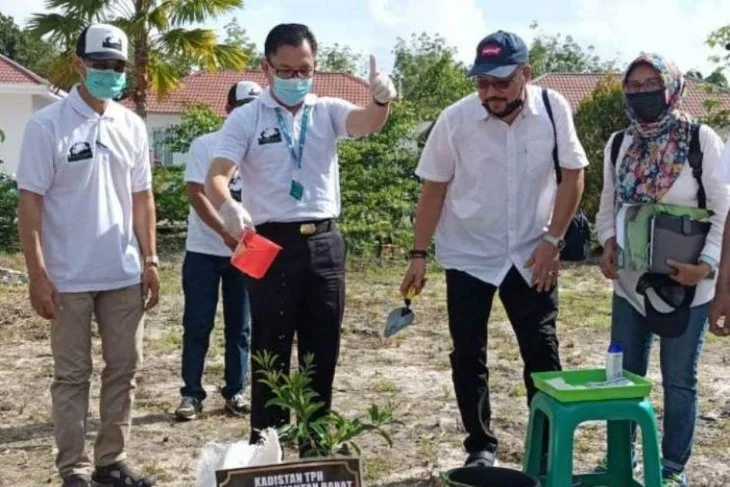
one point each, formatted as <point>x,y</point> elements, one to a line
<point>410,371</point>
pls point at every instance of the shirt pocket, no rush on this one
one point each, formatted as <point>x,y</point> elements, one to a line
<point>467,193</point>
<point>539,159</point>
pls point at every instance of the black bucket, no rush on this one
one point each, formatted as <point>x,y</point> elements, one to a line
<point>488,477</point>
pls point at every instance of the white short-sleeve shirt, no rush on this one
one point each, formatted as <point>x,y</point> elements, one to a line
<point>201,238</point>
<point>253,139</point>
<point>501,182</point>
<point>722,171</point>
<point>87,167</point>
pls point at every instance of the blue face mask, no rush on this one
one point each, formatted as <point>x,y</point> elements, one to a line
<point>291,92</point>
<point>104,84</point>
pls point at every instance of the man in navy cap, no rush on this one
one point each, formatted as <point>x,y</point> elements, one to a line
<point>499,205</point>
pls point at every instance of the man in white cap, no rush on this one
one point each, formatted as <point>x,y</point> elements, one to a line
<point>206,266</point>
<point>285,146</point>
<point>87,226</point>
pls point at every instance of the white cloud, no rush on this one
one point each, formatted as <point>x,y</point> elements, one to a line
<point>21,11</point>
<point>461,22</point>
<point>673,28</point>
<point>618,29</point>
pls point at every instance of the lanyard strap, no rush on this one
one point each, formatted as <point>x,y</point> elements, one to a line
<point>297,155</point>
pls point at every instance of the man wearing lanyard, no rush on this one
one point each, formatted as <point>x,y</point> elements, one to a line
<point>207,268</point>
<point>285,146</point>
<point>87,224</point>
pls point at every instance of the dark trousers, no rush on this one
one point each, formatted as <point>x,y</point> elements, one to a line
<point>203,275</point>
<point>303,292</point>
<point>532,315</point>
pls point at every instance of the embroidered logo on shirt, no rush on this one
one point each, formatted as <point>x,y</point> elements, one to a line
<point>234,186</point>
<point>270,136</point>
<point>80,151</point>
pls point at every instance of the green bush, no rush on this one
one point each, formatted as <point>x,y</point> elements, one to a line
<point>171,201</point>
<point>196,120</point>
<point>379,187</point>
<point>9,239</point>
<point>599,114</point>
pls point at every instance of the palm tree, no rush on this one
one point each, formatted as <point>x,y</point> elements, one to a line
<point>163,50</point>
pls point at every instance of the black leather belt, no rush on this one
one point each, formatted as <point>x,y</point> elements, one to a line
<point>301,229</point>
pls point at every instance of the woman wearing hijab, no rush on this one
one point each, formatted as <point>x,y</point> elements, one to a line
<point>653,167</point>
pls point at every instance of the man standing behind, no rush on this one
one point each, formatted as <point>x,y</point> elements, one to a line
<point>87,226</point>
<point>285,146</point>
<point>206,266</point>
<point>490,194</point>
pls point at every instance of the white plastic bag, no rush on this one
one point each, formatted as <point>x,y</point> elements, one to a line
<point>219,456</point>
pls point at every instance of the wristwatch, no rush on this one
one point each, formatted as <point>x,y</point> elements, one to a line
<point>152,260</point>
<point>380,104</point>
<point>558,243</point>
<point>417,254</point>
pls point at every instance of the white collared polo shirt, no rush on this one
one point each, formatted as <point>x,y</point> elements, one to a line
<point>201,238</point>
<point>253,139</point>
<point>501,182</point>
<point>87,167</point>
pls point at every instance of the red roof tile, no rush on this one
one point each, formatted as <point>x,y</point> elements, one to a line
<point>575,86</point>
<point>12,72</point>
<point>212,88</point>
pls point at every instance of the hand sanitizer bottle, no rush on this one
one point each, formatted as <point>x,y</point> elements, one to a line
<point>614,361</point>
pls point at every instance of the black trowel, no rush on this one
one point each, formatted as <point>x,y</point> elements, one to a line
<point>401,317</point>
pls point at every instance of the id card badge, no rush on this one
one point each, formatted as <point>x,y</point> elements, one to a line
<point>296,190</point>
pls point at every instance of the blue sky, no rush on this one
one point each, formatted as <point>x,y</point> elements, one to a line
<point>617,28</point>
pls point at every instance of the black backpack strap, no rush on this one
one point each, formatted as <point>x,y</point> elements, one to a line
<point>549,108</point>
<point>618,139</point>
<point>695,163</point>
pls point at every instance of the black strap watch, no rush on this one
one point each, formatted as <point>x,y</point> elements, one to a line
<point>417,254</point>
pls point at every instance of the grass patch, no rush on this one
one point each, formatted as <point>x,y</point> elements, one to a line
<point>378,467</point>
<point>428,436</point>
<point>168,343</point>
<point>385,386</point>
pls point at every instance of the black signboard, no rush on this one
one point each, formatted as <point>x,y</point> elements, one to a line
<point>321,472</point>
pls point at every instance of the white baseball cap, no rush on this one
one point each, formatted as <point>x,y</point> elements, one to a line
<point>102,42</point>
<point>243,91</point>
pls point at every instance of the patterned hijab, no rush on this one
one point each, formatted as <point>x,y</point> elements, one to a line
<point>658,150</point>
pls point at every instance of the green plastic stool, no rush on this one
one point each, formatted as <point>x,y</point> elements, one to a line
<point>564,418</point>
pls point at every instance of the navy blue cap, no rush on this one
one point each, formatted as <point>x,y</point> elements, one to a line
<point>499,54</point>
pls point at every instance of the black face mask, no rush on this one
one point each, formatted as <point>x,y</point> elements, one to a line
<point>648,107</point>
<point>509,109</point>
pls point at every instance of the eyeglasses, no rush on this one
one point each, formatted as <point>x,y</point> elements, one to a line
<point>484,82</point>
<point>290,73</point>
<point>652,84</point>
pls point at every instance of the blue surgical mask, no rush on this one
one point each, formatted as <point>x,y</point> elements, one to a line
<point>291,92</point>
<point>105,84</point>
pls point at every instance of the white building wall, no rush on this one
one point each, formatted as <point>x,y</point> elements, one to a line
<point>156,125</point>
<point>15,111</point>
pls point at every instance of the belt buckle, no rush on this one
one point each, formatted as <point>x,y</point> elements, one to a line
<point>308,229</point>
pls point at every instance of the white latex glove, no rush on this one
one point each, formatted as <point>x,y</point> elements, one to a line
<point>235,217</point>
<point>381,86</point>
